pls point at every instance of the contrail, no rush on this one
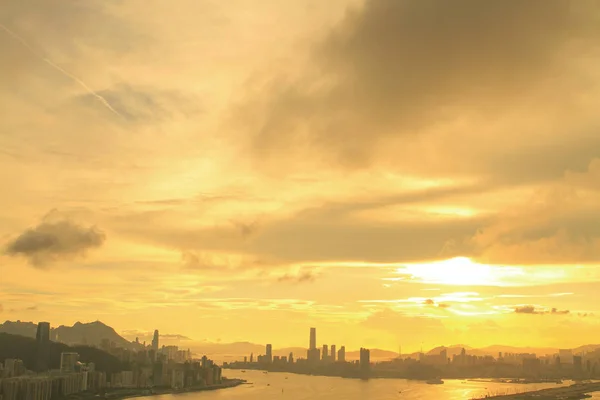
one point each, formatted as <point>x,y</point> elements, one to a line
<point>59,69</point>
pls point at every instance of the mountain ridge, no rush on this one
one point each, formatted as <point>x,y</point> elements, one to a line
<point>92,333</point>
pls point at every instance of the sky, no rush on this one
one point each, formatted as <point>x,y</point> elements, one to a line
<point>391,172</point>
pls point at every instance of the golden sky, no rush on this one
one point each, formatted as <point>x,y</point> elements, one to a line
<point>415,172</point>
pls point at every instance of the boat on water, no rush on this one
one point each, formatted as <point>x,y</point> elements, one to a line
<point>435,382</point>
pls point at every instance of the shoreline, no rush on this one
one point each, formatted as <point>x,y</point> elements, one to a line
<point>227,384</point>
<point>574,392</point>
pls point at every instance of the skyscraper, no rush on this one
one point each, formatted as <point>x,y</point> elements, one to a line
<point>43,332</point>
<point>313,353</point>
<point>155,340</point>
<point>42,355</point>
<point>342,354</point>
<point>333,354</point>
<point>365,361</point>
<point>325,353</point>
<point>269,355</point>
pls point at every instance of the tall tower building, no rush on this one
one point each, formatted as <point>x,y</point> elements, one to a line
<point>365,360</point>
<point>313,338</point>
<point>342,354</point>
<point>325,353</point>
<point>42,356</point>
<point>332,357</point>
<point>269,355</point>
<point>43,332</point>
<point>155,340</point>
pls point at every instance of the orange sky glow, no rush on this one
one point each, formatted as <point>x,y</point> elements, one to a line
<point>244,170</point>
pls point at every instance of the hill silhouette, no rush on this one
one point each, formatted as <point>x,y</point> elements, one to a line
<point>91,333</point>
<point>24,348</point>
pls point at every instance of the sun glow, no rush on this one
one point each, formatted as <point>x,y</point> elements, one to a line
<point>460,271</point>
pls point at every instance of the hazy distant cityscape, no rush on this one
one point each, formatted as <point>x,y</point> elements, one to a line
<point>44,373</point>
<point>42,369</point>
<point>522,367</point>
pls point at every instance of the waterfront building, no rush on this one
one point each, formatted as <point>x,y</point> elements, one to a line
<point>342,354</point>
<point>313,338</point>
<point>365,359</point>
<point>269,354</point>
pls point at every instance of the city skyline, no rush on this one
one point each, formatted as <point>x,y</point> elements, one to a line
<point>243,170</point>
<point>44,334</point>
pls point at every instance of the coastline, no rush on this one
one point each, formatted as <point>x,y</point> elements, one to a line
<point>226,384</point>
<point>573,392</point>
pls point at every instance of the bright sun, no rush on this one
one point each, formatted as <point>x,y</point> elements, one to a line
<point>456,271</point>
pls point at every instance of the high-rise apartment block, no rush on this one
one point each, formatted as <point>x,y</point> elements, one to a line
<point>68,361</point>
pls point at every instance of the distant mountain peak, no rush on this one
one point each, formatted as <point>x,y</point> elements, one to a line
<point>92,333</point>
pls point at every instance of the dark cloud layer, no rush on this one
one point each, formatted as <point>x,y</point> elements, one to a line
<point>395,69</point>
<point>54,240</point>
<point>528,309</point>
<point>303,276</point>
<point>326,233</point>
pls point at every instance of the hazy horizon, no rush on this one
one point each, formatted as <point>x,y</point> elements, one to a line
<point>394,173</point>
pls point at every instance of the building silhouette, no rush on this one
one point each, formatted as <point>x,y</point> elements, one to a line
<point>325,353</point>
<point>43,332</point>
<point>365,360</point>
<point>333,353</point>
<point>42,356</point>
<point>341,355</point>
<point>155,340</point>
<point>313,354</point>
<point>269,354</point>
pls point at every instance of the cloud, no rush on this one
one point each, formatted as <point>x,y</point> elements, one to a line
<point>557,224</point>
<point>138,104</point>
<point>329,232</point>
<point>528,309</point>
<point>175,337</point>
<point>54,239</point>
<point>302,276</point>
<point>431,302</point>
<point>210,261</point>
<point>143,335</point>
<point>393,75</point>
